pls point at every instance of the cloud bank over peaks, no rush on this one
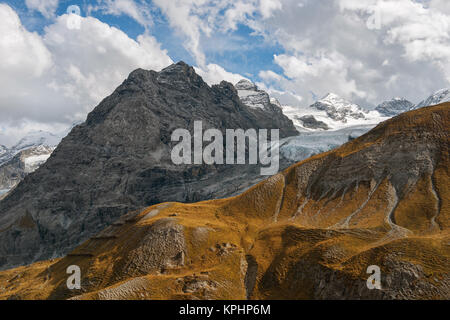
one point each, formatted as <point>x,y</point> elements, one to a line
<point>366,51</point>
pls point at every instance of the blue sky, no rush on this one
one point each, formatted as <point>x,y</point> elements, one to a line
<point>239,51</point>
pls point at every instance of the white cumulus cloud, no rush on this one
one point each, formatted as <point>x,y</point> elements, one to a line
<point>60,76</point>
<point>367,51</point>
<point>214,74</point>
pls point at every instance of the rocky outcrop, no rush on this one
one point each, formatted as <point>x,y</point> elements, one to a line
<point>310,122</point>
<point>119,161</point>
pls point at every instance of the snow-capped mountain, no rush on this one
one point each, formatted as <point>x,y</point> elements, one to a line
<point>275,102</point>
<point>23,163</point>
<point>394,107</point>
<point>31,140</point>
<point>25,156</point>
<point>331,113</point>
<point>438,97</point>
<point>36,138</point>
<point>251,96</point>
<point>339,109</point>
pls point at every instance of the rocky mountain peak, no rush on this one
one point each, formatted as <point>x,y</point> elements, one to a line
<point>337,101</point>
<point>338,109</point>
<point>246,85</point>
<point>251,96</point>
<point>23,163</point>
<point>177,70</point>
<point>120,160</point>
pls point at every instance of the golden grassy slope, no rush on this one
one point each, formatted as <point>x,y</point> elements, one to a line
<point>309,232</point>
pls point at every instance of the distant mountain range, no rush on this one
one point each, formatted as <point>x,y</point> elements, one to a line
<point>25,156</point>
<point>438,97</point>
<point>331,113</point>
<point>24,162</point>
<point>31,140</point>
<point>334,113</point>
<point>394,107</point>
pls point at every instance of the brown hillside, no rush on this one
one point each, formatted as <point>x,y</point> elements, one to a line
<point>309,232</point>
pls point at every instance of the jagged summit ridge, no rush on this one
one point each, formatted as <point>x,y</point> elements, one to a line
<point>119,160</point>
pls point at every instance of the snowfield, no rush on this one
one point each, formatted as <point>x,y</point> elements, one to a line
<point>35,161</point>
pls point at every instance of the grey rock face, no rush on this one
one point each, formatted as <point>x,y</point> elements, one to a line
<point>394,107</point>
<point>251,96</point>
<point>119,161</point>
<point>33,139</point>
<point>312,123</point>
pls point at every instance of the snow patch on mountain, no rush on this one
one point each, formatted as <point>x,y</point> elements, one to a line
<point>438,97</point>
<point>26,156</point>
<point>34,157</point>
<point>308,119</point>
<point>22,164</point>
<point>338,108</point>
<point>34,139</point>
<point>251,96</point>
